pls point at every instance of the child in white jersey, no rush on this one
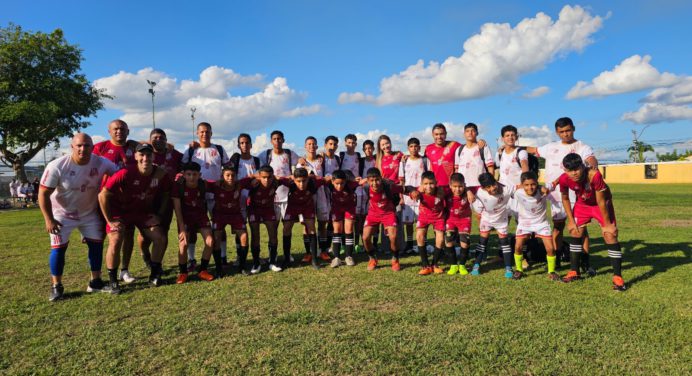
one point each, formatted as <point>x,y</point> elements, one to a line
<point>411,169</point>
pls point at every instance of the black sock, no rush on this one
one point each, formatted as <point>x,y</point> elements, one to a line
<point>204,265</point>
<point>585,261</point>
<point>313,248</point>
<point>615,255</point>
<point>218,262</point>
<point>306,242</point>
<point>272,253</point>
<point>452,254</point>
<point>575,254</point>
<point>182,268</point>
<point>113,275</point>
<point>375,242</point>
<point>336,245</point>
<point>480,249</point>
<point>349,244</point>
<point>156,269</point>
<point>464,255</point>
<point>255,256</point>
<point>242,256</point>
<point>436,255</point>
<point>423,253</point>
<point>287,248</point>
<point>507,254</point>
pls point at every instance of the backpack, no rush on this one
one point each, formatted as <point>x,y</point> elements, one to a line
<point>387,190</point>
<point>201,185</point>
<point>535,250</point>
<point>235,162</point>
<point>269,153</point>
<point>191,151</point>
<point>425,163</point>
<point>341,159</point>
<point>361,167</point>
<point>533,160</point>
<point>480,152</point>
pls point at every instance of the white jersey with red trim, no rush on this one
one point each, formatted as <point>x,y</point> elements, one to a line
<point>495,207</point>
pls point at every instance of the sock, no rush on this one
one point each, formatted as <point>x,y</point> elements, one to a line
<point>306,242</point>
<point>287,247</point>
<point>237,242</point>
<point>336,245</point>
<point>224,248</point>
<point>190,252</point>
<point>574,254</point>
<point>255,256</point>
<point>95,255</point>
<point>585,260</point>
<point>480,250</point>
<point>518,259</point>
<point>323,244</point>
<point>423,256</point>
<point>436,255</point>
<point>451,252</point>
<point>113,275</point>
<point>349,239</point>
<point>506,252</point>
<point>57,261</point>
<point>551,263</point>
<point>204,265</point>
<point>376,242</point>
<point>615,255</point>
<point>409,241</point>
<point>272,253</point>
<point>156,269</point>
<point>313,249</point>
<point>330,235</point>
<point>182,269</point>
<point>464,255</point>
<point>242,256</point>
<point>217,258</point>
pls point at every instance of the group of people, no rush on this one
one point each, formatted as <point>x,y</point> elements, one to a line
<point>339,198</point>
<point>23,192</point>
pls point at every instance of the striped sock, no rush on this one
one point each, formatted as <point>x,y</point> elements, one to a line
<point>336,245</point>
<point>575,255</point>
<point>615,255</point>
<point>349,241</point>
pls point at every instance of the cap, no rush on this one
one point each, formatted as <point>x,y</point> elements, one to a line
<point>142,148</point>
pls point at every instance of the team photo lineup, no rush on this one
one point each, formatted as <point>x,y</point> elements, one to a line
<point>345,197</point>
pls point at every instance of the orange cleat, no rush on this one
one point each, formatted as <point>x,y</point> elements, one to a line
<point>372,264</point>
<point>325,256</point>
<point>571,276</point>
<point>182,278</point>
<point>205,275</point>
<point>619,283</point>
<point>426,270</point>
<point>395,265</point>
<point>437,269</point>
<point>307,258</point>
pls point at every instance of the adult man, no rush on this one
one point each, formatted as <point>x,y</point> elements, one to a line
<point>210,157</point>
<point>127,202</point>
<point>441,154</point>
<point>67,197</point>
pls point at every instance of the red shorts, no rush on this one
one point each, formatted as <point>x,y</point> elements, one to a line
<point>261,215</point>
<point>385,219</point>
<point>235,221</point>
<point>293,213</point>
<point>438,224</point>
<point>196,222</point>
<point>340,214</point>
<point>129,221</point>
<point>583,214</point>
<point>460,225</point>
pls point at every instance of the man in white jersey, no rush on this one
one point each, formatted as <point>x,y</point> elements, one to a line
<point>471,160</point>
<point>68,200</point>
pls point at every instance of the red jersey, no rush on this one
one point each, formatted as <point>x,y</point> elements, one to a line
<point>170,160</point>
<point>432,206</point>
<point>227,202</point>
<point>584,190</point>
<point>379,202</point>
<point>389,166</point>
<point>346,198</point>
<point>458,206</point>
<point>304,198</point>
<point>192,202</point>
<point>135,192</point>
<point>122,156</point>
<point>262,198</point>
<point>442,161</point>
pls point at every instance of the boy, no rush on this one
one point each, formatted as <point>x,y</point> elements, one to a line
<point>330,163</point>
<point>594,201</point>
<point>513,161</point>
<point>261,210</point>
<point>432,212</point>
<point>458,224</point>
<point>410,170</point>
<point>366,163</point>
<point>350,159</point>
<point>532,219</point>
<point>493,201</point>
<point>343,213</point>
<point>244,164</point>
<point>471,159</point>
<point>190,206</point>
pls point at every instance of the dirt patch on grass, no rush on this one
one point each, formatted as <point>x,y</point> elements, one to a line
<point>676,223</point>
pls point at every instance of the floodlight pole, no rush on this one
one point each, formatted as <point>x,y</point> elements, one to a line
<point>192,118</point>
<point>153,112</point>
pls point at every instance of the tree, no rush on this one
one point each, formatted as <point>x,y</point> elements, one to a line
<point>637,151</point>
<point>674,156</point>
<point>43,95</point>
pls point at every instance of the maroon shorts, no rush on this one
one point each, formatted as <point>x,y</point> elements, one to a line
<point>294,213</point>
<point>438,224</point>
<point>260,215</point>
<point>129,221</point>
<point>583,214</point>
<point>235,221</point>
<point>376,219</point>
<point>341,213</point>
<point>194,223</point>
<point>460,225</point>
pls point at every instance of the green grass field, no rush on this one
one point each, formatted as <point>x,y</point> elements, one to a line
<point>350,321</point>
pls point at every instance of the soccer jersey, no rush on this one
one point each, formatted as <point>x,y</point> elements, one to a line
<point>120,155</point>
<point>389,166</point>
<point>442,160</point>
<point>170,160</point>
<point>410,172</point>
<point>228,202</point>
<point>510,168</point>
<point>134,192</point>
<point>246,167</point>
<point>470,164</point>
<point>432,206</point>
<point>304,198</point>
<point>367,164</point>
<point>76,186</point>
<point>192,203</point>
<point>531,209</point>
<point>209,160</point>
<point>495,206</point>
<point>350,163</point>
<point>262,198</point>
<point>346,198</point>
<point>458,206</point>
<point>554,152</point>
<point>584,190</point>
<point>282,168</point>
<point>379,202</point>
<point>330,165</point>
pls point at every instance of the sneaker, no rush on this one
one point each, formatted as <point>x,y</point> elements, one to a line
<point>437,269</point>
<point>219,273</point>
<point>126,277</point>
<point>182,278</point>
<point>571,277</point>
<point>205,275</point>
<point>476,269</point>
<point>349,261</point>
<point>395,265</point>
<point>325,256</point>
<point>590,272</point>
<point>275,268</point>
<point>426,270</point>
<point>454,269</point>
<point>111,288</point>
<point>307,258</point>
<point>508,273</point>
<point>372,264</point>
<point>554,277</point>
<point>95,285</point>
<point>192,265</point>
<point>256,269</point>
<point>244,272</point>
<point>336,262</point>
<point>462,270</point>
<point>517,275</point>
<point>619,283</point>
<point>291,259</point>
<point>56,292</point>
<point>155,281</point>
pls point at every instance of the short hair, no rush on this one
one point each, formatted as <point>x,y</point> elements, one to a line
<point>339,174</point>
<point>349,175</point>
<point>471,125</point>
<point>351,136</point>
<point>300,173</point>
<point>192,166</point>
<point>266,168</point>
<point>204,124</point>
<point>228,167</point>
<point>508,128</point>
<point>439,126</point>
<point>368,142</point>
<point>277,133</point>
<point>331,138</point>
<point>413,141</point>
<point>244,135</point>
<point>157,131</point>
<point>428,175</point>
<point>486,179</point>
<point>308,138</point>
<point>572,162</point>
<point>457,178</point>
<point>528,175</point>
<point>563,122</point>
<point>373,172</point>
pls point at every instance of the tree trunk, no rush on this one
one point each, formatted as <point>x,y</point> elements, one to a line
<point>19,171</point>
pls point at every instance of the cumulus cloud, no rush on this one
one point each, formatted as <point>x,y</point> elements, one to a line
<point>664,105</point>
<point>633,74</point>
<point>492,61</point>
<point>537,92</point>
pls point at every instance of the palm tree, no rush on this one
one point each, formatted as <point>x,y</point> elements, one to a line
<point>637,151</point>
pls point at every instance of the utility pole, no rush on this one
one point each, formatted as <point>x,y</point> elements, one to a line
<point>153,112</point>
<point>192,118</point>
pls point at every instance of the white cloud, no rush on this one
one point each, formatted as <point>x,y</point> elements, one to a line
<point>633,74</point>
<point>664,105</point>
<point>537,92</point>
<point>492,62</point>
<point>535,136</point>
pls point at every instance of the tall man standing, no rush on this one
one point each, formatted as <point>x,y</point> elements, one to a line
<point>441,154</point>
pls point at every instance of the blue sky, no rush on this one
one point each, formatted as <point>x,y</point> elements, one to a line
<point>325,50</point>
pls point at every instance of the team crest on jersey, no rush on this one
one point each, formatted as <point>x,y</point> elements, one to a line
<point>135,183</point>
<point>110,151</point>
<point>154,183</point>
<point>94,171</point>
<point>214,153</point>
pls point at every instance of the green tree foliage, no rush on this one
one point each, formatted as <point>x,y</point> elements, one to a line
<point>674,156</point>
<point>637,151</point>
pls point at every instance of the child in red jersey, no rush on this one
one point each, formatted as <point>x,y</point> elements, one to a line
<point>458,224</point>
<point>594,201</point>
<point>367,162</point>
<point>343,214</point>
<point>431,213</point>
<point>190,206</point>
<point>261,211</point>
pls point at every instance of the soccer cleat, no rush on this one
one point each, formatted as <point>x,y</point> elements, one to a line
<point>619,283</point>
<point>554,277</point>
<point>395,265</point>
<point>95,285</point>
<point>517,275</point>
<point>325,256</point>
<point>350,261</point>
<point>205,275</point>
<point>244,272</point>
<point>336,262</point>
<point>590,272</point>
<point>256,269</point>
<point>307,258</point>
<point>286,264</point>
<point>192,265</point>
<point>476,269</point>
<point>437,269</point>
<point>571,277</point>
<point>454,269</point>
<point>508,272</point>
<point>275,268</point>
<point>372,264</point>
<point>111,288</point>
<point>182,278</point>
<point>126,277</point>
<point>462,270</point>
<point>219,273</point>
<point>56,292</point>
<point>155,281</point>
<point>426,270</point>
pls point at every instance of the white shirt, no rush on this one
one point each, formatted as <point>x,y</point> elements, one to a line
<point>76,186</point>
<point>246,167</point>
<point>314,167</point>
<point>350,163</point>
<point>282,169</point>
<point>554,152</point>
<point>209,160</point>
<point>411,170</point>
<point>330,164</point>
<point>470,164</point>
<point>532,209</point>
<point>510,169</point>
<point>495,207</point>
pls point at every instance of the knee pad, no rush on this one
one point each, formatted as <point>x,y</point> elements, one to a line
<point>450,236</point>
<point>464,238</point>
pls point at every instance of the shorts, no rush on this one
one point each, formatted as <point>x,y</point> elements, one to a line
<point>583,214</point>
<point>541,229</point>
<point>323,205</point>
<point>385,219</point>
<point>91,228</point>
<point>130,221</point>
<point>299,214</point>
<point>279,211</point>
<point>486,227</point>
<point>260,216</point>
<point>196,223</point>
<point>361,201</point>
<point>409,213</point>
<point>460,225</point>
<point>167,218</point>
<point>340,213</point>
<point>235,222</point>
<point>438,224</point>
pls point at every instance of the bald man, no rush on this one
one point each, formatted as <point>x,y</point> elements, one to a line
<point>68,199</point>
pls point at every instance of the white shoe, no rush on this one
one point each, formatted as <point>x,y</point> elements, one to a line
<point>336,262</point>
<point>274,268</point>
<point>256,270</point>
<point>350,261</point>
<point>126,277</point>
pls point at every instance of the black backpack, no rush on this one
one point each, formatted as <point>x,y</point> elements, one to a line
<point>361,167</point>
<point>269,153</point>
<point>235,162</point>
<point>191,152</point>
<point>480,151</point>
<point>387,189</point>
<point>533,160</point>
<point>341,158</point>
<point>425,163</point>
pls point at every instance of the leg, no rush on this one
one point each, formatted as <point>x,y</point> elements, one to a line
<point>338,230</point>
<point>156,238</point>
<point>519,244</point>
<point>350,240</point>
<point>506,249</point>
<point>575,250</point>
<point>241,236</point>
<point>287,240</point>
<point>115,241</point>
<point>393,247</point>
<point>409,236</point>
<point>144,245</point>
<point>439,243</point>
<point>272,227</point>
<point>255,246</point>
<point>615,255</point>
<point>480,252</point>
<point>420,240</point>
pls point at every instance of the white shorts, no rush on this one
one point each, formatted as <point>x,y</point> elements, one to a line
<point>323,205</point>
<point>91,227</point>
<point>280,209</point>
<point>556,209</point>
<point>541,229</point>
<point>361,201</point>
<point>409,213</point>
<point>501,228</point>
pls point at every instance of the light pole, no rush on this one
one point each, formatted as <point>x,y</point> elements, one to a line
<point>152,92</point>
<point>192,118</point>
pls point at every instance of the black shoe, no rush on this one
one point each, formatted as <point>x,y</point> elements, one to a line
<point>155,280</point>
<point>56,292</point>
<point>286,264</point>
<point>224,261</point>
<point>95,285</point>
<point>112,288</point>
<point>219,273</point>
<point>517,275</point>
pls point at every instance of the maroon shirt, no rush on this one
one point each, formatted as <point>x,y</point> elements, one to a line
<point>227,202</point>
<point>346,199</point>
<point>134,192</point>
<point>170,161</point>
<point>122,156</point>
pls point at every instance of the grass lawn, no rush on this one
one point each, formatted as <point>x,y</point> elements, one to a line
<point>350,321</point>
